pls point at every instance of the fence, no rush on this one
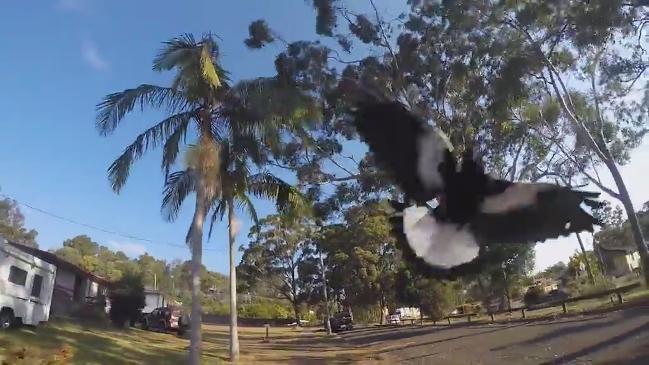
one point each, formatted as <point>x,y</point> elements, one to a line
<point>562,302</point>
<point>253,322</point>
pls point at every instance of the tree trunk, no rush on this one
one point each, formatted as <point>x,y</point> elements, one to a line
<point>483,292</point>
<point>324,294</point>
<point>196,243</point>
<point>643,250</point>
<point>600,259</point>
<point>234,332</point>
<point>421,316</point>
<point>506,287</point>
<point>296,311</point>
<point>589,270</point>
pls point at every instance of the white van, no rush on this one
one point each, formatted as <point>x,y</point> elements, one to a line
<point>26,286</point>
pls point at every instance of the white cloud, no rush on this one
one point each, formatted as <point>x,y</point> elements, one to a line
<point>90,54</point>
<point>73,6</point>
<point>129,248</point>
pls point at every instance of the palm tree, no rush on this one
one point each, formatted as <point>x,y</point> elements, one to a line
<point>235,183</point>
<point>199,97</point>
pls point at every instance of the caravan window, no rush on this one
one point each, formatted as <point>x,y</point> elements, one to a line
<point>36,287</point>
<point>17,276</point>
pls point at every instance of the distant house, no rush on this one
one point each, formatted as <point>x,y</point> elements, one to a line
<point>619,261</point>
<point>73,286</point>
<point>153,299</point>
<point>547,285</point>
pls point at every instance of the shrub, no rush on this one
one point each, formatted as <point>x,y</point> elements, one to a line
<point>601,284</point>
<point>271,309</point>
<point>126,299</point>
<point>533,295</point>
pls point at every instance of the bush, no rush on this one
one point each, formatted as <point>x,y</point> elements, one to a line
<point>601,284</point>
<point>533,295</point>
<point>215,307</point>
<point>265,308</point>
<point>126,299</point>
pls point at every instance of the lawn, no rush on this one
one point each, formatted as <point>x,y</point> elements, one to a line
<point>73,343</point>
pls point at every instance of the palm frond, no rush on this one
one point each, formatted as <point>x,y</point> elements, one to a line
<point>112,109</point>
<point>265,99</point>
<point>119,170</point>
<point>196,63</point>
<point>247,145</point>
<point>177,187</point>
<point>175,52</point>
<point>285,196</point>
<point>208,69</point>
<point>218,209</point>
<point>172,146</point>
<point>263,104</point>
<point>245,204</point>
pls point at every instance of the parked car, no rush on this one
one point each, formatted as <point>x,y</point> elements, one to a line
<point>393,318</point>
<point>166,319</point>
<point>341,321</point>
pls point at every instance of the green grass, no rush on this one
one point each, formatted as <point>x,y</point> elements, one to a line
<point>63,342</point>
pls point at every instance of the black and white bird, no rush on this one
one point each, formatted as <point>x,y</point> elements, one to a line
<point>473,210</point>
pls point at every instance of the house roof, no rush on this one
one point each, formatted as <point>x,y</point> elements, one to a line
<point>60,263</point>
<point>625,248</point>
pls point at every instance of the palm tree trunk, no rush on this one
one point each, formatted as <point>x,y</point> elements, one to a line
<point>234,332</point>
<point>196,243</point>
<point>589,270</point>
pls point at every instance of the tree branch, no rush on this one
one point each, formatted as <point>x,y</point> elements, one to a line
<point>600,119</point>
<point>567,106</point>
<point>387,45</point>
<point>590,177</point>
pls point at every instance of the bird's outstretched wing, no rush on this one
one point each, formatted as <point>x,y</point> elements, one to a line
<point>533,212</point>
<point>410,150</point>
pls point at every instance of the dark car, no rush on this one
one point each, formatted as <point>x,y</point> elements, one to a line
<point>341,321</point>
<point>166,319</point>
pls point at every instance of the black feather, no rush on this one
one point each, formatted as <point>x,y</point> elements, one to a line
<point>391,133</point>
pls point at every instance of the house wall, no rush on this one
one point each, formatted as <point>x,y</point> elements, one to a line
<point>621,266</point>
<point>65,281</point>
<point>93,289</point>
<point>633,260</point>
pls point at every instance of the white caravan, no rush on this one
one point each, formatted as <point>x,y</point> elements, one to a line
<point>26,286</point>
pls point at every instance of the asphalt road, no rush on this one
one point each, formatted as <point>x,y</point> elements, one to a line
<point>620,337</point>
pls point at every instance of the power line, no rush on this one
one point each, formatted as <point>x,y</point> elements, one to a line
<point>100,229</point>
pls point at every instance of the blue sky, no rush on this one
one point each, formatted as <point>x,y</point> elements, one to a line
<point>58,59</point>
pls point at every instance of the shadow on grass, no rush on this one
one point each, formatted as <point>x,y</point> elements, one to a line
<point>87,346</point>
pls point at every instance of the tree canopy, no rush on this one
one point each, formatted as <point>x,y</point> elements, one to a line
<point>12,224</point>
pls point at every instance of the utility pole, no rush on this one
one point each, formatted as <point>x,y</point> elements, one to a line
<point>324,294</point>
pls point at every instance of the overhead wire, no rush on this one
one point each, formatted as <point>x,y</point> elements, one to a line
<point>100,229</point>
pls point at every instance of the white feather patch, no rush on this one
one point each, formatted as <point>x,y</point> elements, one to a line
<point>439,244</point>
<point>514,197</point>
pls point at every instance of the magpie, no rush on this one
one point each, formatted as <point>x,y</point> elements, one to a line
<point>453,210</point>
